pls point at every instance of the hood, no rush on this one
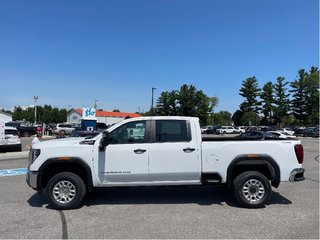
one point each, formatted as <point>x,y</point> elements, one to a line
<point>58,142</point>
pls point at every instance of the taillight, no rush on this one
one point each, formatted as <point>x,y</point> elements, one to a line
<point>299,152</point>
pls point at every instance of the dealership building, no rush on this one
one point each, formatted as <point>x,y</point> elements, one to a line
<point>75,116</point>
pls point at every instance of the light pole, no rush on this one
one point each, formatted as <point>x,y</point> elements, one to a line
<point>95,104</point>
<point>152,97</point>
<point>35,108</point>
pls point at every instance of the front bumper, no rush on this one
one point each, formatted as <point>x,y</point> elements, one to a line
<point>32,179</point>
<point>297,175</point>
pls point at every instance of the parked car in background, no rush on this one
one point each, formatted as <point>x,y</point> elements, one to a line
<point>310,132</point>
<point>286,130</point>
<point>316,132</point>
<point>209,129</point>
<point>299,131</point>
<point>241,129</point>
<point>268,128</point>
<point>86,134</point>
<point>252,128</point>
<point>101,126</point>
<point>24,129</point>
<point>282,135</point>
<point>226,129</point>
<point>64,129</point>
<point>11,141</point>
<point>259,134</point>
<point>203,129</point>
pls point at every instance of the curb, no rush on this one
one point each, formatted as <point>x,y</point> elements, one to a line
<point>14,155</point>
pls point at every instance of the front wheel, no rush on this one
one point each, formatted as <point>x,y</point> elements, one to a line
<point>65,190</point>
<point>252,189</point>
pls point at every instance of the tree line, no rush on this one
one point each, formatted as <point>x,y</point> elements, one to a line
<point>279,103</point>
<point>282,102</point>
<point>45,114</point>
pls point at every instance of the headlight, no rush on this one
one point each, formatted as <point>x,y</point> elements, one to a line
<point>33,154</point>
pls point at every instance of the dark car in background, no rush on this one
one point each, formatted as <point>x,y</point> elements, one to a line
<point>24,129</point>
<point>85,134</point>
<point>258,135</point>
<point>311,132</point>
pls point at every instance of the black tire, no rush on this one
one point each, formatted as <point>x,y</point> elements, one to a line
<point>62,132</point>
<point>26,134</point>
<point>19,148</point>
<point>65,190</point>
<point>252,189</point>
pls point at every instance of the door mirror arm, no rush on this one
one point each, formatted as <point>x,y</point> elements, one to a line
<point>105,141</point>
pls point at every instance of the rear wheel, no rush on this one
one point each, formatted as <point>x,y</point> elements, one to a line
<point>65,190</point>
<point>62,132</point>
<point>26,134</point>
<point>252,189</point>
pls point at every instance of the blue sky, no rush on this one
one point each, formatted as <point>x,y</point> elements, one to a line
<point>73,52</point>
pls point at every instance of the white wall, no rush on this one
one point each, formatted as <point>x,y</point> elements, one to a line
<point>109,120</point>
<point>74,118</point>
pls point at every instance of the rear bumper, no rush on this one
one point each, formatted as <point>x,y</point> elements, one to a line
<point>297,175</point>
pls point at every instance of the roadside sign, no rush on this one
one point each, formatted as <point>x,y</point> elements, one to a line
<point>89,114</point>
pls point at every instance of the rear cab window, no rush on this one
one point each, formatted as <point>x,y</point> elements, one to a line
<point>172,131</point>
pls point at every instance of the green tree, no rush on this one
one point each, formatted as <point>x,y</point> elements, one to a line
<point>222,118</point>
<point>312,96</point>
<point>298,103</point>
<point>281,99</point>
<point>267,100</point>
<point>188,101</point>
<point>237,118</point>
<point>250,118</point>
<point>17,113</point>
<point>250,92</point>
<point>167,104</point>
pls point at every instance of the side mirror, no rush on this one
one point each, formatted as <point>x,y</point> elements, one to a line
<point>105,140</point>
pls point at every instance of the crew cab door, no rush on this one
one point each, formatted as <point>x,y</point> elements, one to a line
<point>125,159</point>
<point>174,154</point>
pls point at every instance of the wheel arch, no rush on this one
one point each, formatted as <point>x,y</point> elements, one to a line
<point>254,162</point>
<point>54,166</point>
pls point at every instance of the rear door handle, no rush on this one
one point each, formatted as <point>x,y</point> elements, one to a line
<point>188,150</point>
<point>139,151</point>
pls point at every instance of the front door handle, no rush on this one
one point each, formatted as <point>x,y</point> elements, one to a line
<point>189,150</point>
<point>139,151</point>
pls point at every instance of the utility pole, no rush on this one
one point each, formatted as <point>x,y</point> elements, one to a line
<point>35,108</point>
<point>95,104</point>
<point>152,97</point>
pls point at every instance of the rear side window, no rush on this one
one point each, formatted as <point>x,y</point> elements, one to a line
<point>11,132</point>
<point>172,131</point>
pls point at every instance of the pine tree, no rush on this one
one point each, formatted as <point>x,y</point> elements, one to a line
<point>281,99</point>
<point>299,93</point>
<point>250,92</point>
<point>267,100</point>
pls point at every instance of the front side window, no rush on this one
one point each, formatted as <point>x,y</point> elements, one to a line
<point>132,132</point>
<point>172,131</point>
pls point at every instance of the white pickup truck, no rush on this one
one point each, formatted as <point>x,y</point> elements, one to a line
<point>157,151</point>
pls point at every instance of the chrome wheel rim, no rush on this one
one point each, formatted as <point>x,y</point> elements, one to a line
<point>253,190</point>
<point>64,192</point>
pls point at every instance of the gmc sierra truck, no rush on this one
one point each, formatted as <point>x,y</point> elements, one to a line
<point>157,151</point>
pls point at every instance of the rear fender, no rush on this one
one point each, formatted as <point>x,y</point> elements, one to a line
<point>250,162</point>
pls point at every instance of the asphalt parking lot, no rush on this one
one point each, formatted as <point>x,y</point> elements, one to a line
<point>162,212</point>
